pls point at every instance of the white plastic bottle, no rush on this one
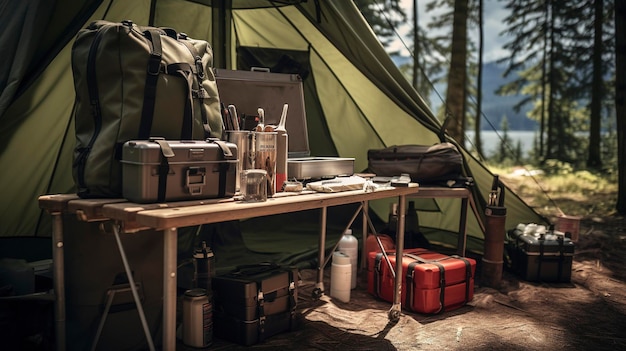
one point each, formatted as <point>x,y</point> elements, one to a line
<point>349,245</point>
<point>340,277</point>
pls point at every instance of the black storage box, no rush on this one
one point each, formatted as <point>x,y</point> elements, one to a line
<point>254,302</point>
<point>546,258</point>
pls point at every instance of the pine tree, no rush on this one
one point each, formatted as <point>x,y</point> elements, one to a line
<point>426,68</point>
<point>545,55</point>
<point>620,102</point>
<point>384,16</point>
<point>458,17</point>
<point>457,76</point>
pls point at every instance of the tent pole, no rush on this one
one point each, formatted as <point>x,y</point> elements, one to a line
<point>222,15</point>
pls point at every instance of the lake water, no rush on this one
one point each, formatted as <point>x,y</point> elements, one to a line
<point>492,139</point>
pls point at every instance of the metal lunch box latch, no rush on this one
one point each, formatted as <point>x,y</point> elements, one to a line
<point>195,179</point>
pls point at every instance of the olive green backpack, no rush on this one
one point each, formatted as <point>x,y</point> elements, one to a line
<point>135,82</point>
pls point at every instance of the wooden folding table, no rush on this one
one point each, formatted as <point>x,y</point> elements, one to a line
<point>168,217</point>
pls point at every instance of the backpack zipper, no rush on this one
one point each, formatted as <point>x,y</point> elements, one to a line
<point>94,101</point>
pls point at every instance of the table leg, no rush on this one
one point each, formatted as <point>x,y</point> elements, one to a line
<point>58,276</point>
<point>365,232</point>
<point>319,286</point>
<point>396,308</point>
<point>133,288</point>
<point>170,243</point>
<point>461,243</point>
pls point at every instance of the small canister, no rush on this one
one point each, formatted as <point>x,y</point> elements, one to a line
<point>197,318</point>
<point>254,185</point>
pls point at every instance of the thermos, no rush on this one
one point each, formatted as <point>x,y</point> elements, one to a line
<point>411,227</point>
<point>197,318</point>
<point>282,150</point>
<point>411,220</point>
<point>349,245</point>
<point>495,231</point>
<point>204,267</point>
<point>392,222</point>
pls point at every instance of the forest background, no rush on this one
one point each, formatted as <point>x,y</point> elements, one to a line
<point>559,74</point>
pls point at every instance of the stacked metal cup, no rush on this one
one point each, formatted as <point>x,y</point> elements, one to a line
<point>241,138</point>
<point>263,146</point>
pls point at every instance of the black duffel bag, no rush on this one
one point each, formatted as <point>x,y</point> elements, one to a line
<point>425,164</point>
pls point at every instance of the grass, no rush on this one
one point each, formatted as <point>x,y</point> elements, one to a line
<point>576,193</point>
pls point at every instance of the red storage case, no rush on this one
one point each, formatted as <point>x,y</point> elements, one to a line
<point>424,274</point>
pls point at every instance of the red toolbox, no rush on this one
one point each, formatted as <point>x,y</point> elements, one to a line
<point>431,283</point>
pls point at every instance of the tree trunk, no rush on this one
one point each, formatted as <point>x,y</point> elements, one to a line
<point>597,90</point>
<point>543,124</point>
<point>552,115</point>
<point>620,102</point>
<point>479,84</point>
<point>416,47</point>
<point>455,99</point>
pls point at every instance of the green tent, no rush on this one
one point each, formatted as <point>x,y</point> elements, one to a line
<point>356,98</point>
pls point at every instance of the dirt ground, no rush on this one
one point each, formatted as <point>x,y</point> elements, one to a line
<point>587,314</point>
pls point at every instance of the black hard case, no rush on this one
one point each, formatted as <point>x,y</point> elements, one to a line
<point>546,258</point>
<point>254,302</point>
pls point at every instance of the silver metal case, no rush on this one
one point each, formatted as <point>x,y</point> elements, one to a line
<point>319,167</point>
<point>249,90</point>
<point>195,170</point>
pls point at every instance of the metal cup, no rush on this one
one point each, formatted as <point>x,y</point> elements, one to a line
<point>263,145</point>
<point>241,139</point>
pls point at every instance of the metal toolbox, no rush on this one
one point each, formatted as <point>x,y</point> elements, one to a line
<point>249,90</point>
<point>546,258</point>
<point>157,170</point>
<point>319,167</point>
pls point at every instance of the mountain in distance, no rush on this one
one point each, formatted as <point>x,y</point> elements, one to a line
<point>494,106</point>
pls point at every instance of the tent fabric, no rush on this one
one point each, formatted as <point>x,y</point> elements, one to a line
<point>356,98</point>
